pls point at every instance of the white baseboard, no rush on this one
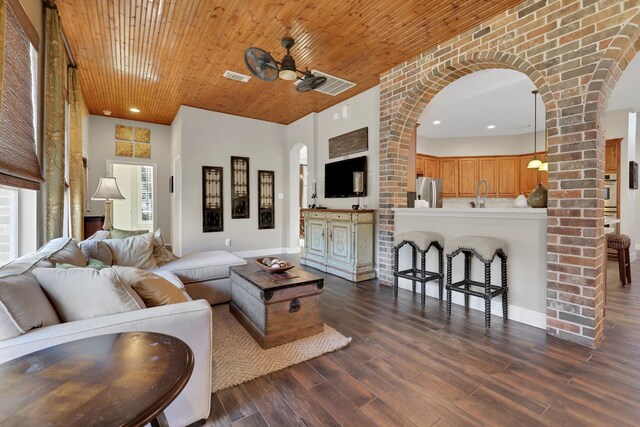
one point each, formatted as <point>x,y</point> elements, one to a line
<point>633,256</point>
<point>261,252</point>
<point>295,250</point>
<point>517,314</point>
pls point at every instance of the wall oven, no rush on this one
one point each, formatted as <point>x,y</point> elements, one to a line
<point>610,194</point>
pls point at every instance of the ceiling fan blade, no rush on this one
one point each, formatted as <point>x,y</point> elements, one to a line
<point>261,64</point>
<point>311,82</point>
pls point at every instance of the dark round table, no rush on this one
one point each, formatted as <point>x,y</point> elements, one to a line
<point>125,379</point>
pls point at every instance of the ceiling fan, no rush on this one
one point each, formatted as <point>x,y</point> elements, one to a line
<point>263,66</point>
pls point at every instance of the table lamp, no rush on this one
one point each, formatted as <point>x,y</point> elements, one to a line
<point>108,191</point>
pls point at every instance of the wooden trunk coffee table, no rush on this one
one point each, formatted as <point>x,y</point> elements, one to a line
<point>276,308</point>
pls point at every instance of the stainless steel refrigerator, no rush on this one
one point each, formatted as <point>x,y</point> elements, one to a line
<point>429,189</point>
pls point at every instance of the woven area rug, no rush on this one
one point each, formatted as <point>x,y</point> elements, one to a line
<point>238,358</point>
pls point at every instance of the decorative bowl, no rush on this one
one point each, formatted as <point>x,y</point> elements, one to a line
<point>274,270</point>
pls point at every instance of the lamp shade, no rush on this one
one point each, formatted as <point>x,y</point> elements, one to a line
<point>535,163</point>
<point>107,190</point>
<point>544,167</point>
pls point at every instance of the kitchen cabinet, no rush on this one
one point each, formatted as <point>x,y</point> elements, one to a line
<point>467,177</point>
<point>488,169</point>
<point>431,168</point>
<point>529,178</point>
<point>449,175</point>
<point>340,242</point>
<point>508,176</point>
<point>419,165</point>
<point>612,156</point>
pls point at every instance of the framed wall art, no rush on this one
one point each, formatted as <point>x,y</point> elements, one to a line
<point>266,211</point>
<point>239,187</point>
<point>212,213</point>
<point>633,175</point>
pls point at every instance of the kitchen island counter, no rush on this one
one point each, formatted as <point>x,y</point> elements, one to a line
<point>524,232</point>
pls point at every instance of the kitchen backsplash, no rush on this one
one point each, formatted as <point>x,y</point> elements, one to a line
<point>465,202</point>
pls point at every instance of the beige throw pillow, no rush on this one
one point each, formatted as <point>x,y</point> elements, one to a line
<point>23,306</point>
<point>136,251</point>
<point>64,250</point>
<point>96,249</point>
<point>161,254</point>
<point>85,293</point>
<point>153,289</point>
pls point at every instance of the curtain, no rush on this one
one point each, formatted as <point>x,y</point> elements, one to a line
<point>54,118</point>
<point>76,178</point>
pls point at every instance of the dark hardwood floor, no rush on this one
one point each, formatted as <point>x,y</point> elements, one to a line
<point>411,366</point>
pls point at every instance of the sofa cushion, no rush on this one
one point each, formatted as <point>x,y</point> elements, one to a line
<point>202,266</point>
<point>96,249</point>
<point>153,289</point>
<point>116,233</point>
<point>64,250</point>
<point>85,293</point>
<point>136,251</point>
<point>24,264</point>
<point>23,306</point>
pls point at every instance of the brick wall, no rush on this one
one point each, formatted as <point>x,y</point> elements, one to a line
<point>574,51</point>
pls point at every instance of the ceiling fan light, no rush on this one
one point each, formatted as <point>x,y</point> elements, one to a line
<point>288,75</point>
<point>544,167</point>
<point>535,163</point>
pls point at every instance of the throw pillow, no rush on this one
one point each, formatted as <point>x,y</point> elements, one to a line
<point>160,251</point>
<point>23,306</point>
<point>136,251</point>
<point>153,289</point>
<point>93,263</point>
<point>96,249</point>
<point>123,234</point>
<point>85,293</point>
<point>64,250</point>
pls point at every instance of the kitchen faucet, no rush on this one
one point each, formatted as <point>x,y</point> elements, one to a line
<point>481,201</point>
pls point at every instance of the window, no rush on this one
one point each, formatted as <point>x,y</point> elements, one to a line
<point>146,193</point>
<point>8,224</point>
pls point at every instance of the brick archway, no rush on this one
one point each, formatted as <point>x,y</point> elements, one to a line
<point>570,51</point>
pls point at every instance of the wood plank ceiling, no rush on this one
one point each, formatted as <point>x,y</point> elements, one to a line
<point>156,55</point>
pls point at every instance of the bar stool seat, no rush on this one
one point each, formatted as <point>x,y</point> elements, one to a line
<point>621,243</point>
<point>485,249</point>
<point>420,242</point>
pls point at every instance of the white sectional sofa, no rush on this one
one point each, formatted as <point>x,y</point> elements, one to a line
<point>207,280</point>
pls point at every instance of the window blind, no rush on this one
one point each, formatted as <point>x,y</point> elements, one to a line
<point>19,166</point>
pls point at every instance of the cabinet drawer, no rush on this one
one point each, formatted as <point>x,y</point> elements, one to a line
<point>315,215</point>
<point>340,216</point>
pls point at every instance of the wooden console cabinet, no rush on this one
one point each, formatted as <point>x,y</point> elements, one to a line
<point>340,242</point>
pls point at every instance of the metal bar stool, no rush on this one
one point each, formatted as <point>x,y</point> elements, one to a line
<point>420,241</point>
<point>485,249</point>
<point>621,244</point>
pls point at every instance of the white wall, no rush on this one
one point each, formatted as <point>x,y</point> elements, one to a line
<point>208,138</point>
<point>364,111</point>
<point>102,147</point>
<point>480,146</point>
<point>302,132</point>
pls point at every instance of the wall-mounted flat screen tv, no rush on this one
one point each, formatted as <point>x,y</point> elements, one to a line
<point>338,177</point>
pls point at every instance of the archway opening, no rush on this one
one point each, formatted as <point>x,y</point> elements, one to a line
<point>298,195</point>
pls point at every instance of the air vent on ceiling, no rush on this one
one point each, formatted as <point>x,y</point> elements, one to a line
<point>334,85</point>
<point>236,76</point>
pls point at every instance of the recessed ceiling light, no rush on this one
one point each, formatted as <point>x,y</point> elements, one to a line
<point>436,122</point>
<point>134,110</point>
<point>106,112</point>
<point>491,127</point>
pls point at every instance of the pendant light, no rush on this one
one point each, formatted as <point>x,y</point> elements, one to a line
<point>544,167</point>
<point>535,163</point>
